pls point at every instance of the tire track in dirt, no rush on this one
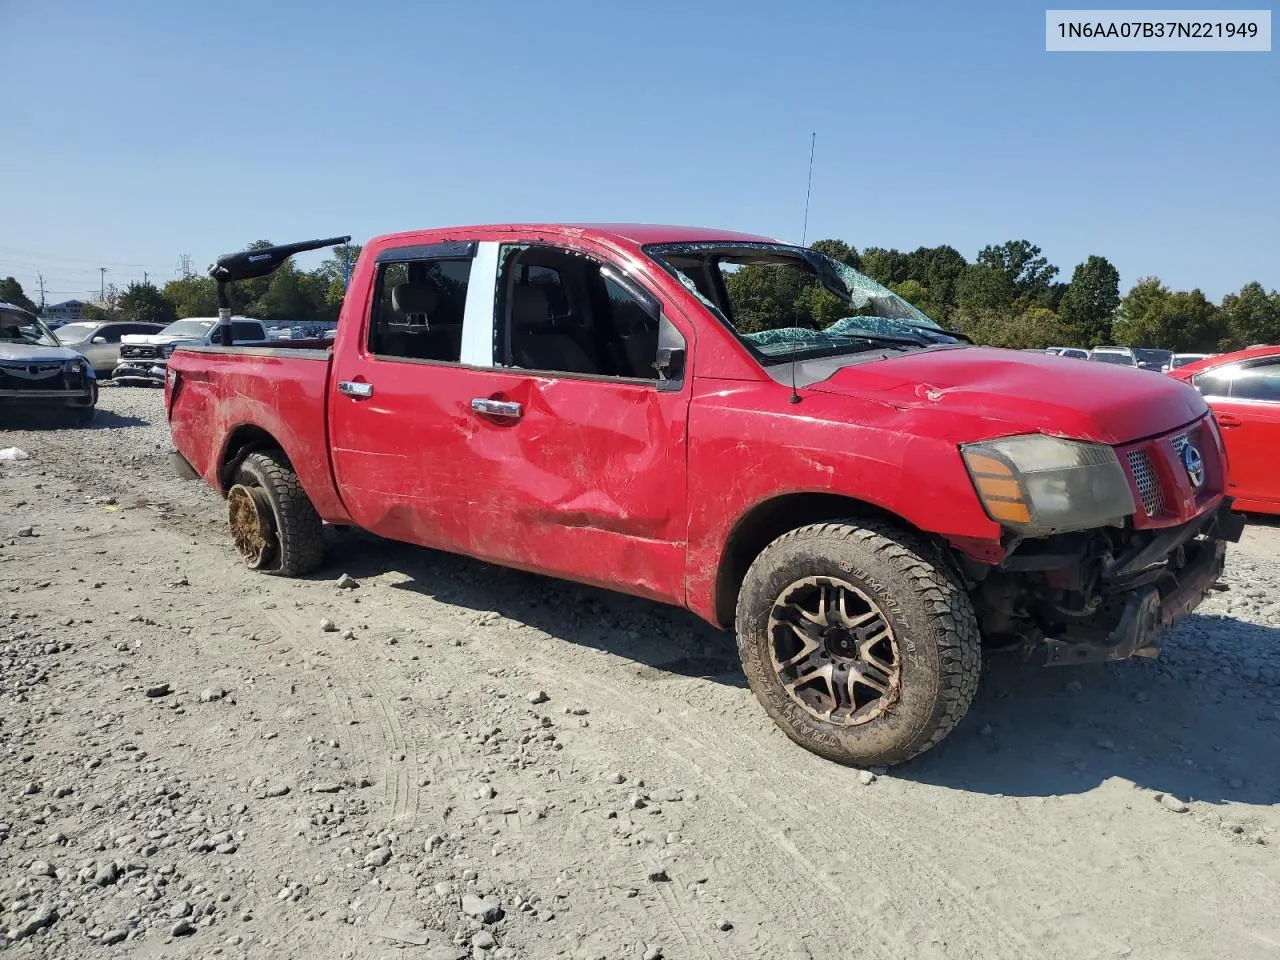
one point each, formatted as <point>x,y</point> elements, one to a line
<point>726,782</point>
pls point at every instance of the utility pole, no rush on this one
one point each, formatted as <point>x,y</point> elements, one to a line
<point>145,281</point>
<point>41,278</point>
<point>102,284</point>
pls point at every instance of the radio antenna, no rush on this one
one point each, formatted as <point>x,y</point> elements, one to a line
<point>804,233</point>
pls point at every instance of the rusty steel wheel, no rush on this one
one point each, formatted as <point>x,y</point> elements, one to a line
<point>835,651</point>
<point>252,525</point>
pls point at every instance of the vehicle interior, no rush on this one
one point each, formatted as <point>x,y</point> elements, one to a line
<point>565,312</point>
<point>419,310</point>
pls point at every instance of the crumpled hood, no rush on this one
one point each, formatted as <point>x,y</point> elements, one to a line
<point>1019,392</point>
<point>34,353</point>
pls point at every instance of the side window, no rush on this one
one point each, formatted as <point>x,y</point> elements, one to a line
<point>112,332</point>
<point>1214,383</point>
<point>241,331</point>
<point>563,312</point>
<point>1261,382</point>
<point>418,310</point>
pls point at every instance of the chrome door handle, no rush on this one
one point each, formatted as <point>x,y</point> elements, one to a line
<point>353,388</point>
<point>497,408</point>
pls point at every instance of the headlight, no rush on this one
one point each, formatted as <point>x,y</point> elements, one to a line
<point>1037,484</point>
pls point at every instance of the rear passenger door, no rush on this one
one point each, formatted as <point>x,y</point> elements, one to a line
<point>400,402</point>
<point>578,442</point>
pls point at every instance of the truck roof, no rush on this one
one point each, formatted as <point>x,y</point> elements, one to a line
<point>635,233</point>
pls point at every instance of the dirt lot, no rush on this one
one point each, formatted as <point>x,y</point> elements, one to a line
<point>468,761</point>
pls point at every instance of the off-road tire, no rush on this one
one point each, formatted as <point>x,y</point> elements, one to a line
<point>935,629</point>
<point>299,531</point>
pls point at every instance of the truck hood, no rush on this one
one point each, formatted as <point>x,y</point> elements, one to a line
<point>156,339</point>
<point>1017,392</point>
<point>34,353</point>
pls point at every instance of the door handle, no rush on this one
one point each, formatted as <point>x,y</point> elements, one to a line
<point>1227,420</point>
<point>354,388</point>
<point>507,409</point>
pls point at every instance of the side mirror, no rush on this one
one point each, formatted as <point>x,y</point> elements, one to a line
<point>98,340</point>
<point>670,364</point>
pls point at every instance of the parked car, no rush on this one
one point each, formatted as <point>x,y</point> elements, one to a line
<point>1243,388</point>
<point>100,342</point>
<point>1123,356</point>
<point>1149,359</point>
<point>1182,359</point>
<point>144,357</point>
<point>868,503</point>
<point>1073,353</point>
<point>38,372</point>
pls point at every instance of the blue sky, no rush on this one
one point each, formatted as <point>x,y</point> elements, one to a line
<point>135,132</point>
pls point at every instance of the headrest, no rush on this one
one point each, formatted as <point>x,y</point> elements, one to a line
<point>529,306</point>
<point>409,298</point>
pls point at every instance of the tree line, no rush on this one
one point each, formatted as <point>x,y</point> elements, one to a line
<point>1011,296</point>
<point>1008,296</point>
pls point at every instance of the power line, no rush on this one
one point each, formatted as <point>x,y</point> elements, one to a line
<point>14,251</point>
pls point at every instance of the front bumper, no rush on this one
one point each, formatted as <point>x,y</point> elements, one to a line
<point>140,371</point>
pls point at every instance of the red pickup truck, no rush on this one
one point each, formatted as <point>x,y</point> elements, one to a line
<point>867,499</point>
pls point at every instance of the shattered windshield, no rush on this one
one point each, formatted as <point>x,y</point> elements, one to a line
<point>16,327</point>
<point>784,301</point>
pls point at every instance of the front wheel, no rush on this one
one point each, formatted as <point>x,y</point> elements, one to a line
<point>861,649</point>
<point>273,523</point>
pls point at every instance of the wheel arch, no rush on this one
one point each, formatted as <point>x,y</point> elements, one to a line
<point>242,441</point>
<point>770,519</point>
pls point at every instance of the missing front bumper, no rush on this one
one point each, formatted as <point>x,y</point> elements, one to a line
<point>1146,613</point>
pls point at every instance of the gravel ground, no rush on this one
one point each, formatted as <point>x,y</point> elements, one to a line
<point>454,760</point>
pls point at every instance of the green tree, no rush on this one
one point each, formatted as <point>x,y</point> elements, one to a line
<point>1090,301</point>
<point>192,296</point>
<point>838,250</point>
<point>11,292</point>
<point>1151,315</point>
<point>286,297</point>
<point>143,303</point>
<point>984,288</point>
<point>1021,262</point>
<point>886,267</point>
<point>1249,317</point>
<point>938,271</point>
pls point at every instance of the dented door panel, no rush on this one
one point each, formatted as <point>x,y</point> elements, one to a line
<point>588,483</point>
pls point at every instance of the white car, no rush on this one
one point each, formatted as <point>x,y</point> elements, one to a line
<point>1118,355</point>
<point>1182,359</point>
<point>144,358</point>
<point>1072,353</point>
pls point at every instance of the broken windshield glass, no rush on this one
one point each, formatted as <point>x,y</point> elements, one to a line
<point>783,300</point>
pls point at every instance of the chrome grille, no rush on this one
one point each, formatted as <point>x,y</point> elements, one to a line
<point>1148,483</point>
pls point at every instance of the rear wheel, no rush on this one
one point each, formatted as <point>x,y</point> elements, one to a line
<point>858,646</point>
<point>273,523</point>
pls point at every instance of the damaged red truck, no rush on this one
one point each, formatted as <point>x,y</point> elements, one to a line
<point>869,501</point>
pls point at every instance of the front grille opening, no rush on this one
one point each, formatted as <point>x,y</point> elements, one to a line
<point>1148,483</point>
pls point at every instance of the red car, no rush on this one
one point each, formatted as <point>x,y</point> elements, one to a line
<point>868,500</point>
<point>1243,388</point>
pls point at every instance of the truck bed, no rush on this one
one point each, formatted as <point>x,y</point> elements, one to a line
<point>220,398</point>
